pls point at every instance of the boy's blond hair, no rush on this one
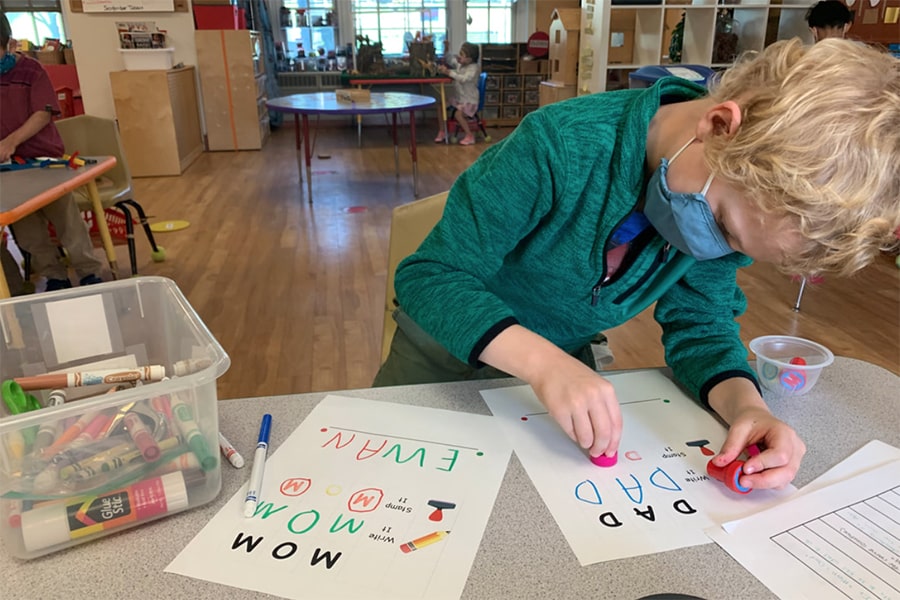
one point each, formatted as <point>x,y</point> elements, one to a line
<point>820,140</point>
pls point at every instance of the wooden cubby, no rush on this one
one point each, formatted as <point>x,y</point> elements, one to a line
<point>513,84</point>
<point>617,39</point>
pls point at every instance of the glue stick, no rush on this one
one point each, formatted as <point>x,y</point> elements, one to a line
<point>76,518</point>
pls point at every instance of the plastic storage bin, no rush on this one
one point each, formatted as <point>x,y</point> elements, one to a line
<point>150,59</point>
<point>647,76</point>
<point>111,457</point>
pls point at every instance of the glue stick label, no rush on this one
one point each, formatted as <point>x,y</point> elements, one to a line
<point>140,501</point>
<point>58,523</point>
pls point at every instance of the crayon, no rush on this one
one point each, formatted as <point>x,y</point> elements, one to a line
<point>141,436</point>
<point>184,419</point>
<point>425,540</point>
<point>229,451</point>
<point>79,379</point>
<point>117,462</point>
<point>92,431</point>
<point>182,462</point>
<point>92,461</point>
<point>71,432</point>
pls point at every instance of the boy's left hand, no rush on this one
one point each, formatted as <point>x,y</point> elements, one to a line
<point>781,448</point>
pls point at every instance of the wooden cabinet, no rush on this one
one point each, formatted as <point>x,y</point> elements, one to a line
<point>159,120</point>
<point>619,38</point>
<point>233,82</point>
<point>513,84</point>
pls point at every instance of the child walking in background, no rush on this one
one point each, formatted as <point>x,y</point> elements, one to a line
<point>27,100</point>
<point>464,101</point>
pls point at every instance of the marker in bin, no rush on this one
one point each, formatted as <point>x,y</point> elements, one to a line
<point>259,463</point>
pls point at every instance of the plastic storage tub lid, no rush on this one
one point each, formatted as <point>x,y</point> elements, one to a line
<point>696,73</point>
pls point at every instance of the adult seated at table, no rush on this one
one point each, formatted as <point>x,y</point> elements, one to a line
<point>27,103</point>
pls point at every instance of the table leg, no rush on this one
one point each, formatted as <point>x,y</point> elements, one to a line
<point>100,219</point>
<point>4,288</point>
<point>359,125</point>
<point>444,114</point>
<point>396,147</point>
<point>299,146</point>
<point>308,154</point>
<point>412,152</point>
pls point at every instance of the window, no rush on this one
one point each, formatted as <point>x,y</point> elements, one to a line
<point>310,25</point>
<point>35,20</point>
<point>396,22</point>
<point>490,21</point>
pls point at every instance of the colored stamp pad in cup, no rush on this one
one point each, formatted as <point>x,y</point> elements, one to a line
<point>605,461</point>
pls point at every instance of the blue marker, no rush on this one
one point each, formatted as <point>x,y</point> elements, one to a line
<point>259,463</point>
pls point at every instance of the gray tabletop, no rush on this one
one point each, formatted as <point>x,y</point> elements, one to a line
<point>523,554</point>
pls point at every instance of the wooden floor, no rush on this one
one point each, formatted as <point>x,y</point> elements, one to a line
<point>294,291</point>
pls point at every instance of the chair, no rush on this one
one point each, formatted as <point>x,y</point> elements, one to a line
<point>96,136</point>
<point>410,224</point>
<point>476,122</point>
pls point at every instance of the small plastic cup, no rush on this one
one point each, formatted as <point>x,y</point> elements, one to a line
<point>789,366</point>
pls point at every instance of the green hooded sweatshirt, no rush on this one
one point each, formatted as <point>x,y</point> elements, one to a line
<point>523,238</point>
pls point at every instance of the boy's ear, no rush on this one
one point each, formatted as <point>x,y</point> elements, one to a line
<point>721,119</point>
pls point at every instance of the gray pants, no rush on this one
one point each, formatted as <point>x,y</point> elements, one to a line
<point>416,357</point>
<point>32,236</point>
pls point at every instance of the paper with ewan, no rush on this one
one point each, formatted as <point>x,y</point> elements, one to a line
<point>364,499</point>
<point>658,497</point>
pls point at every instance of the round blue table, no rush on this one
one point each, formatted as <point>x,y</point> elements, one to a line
<point>326,103</point>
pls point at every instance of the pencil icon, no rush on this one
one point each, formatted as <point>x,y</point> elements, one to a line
<point>425,540</point>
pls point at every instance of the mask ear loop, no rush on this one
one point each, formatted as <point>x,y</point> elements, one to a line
<point>682,149</point>
<point>708,183</point>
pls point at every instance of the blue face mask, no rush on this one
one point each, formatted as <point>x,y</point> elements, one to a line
<point>684,220</point>
<point>7,62</point>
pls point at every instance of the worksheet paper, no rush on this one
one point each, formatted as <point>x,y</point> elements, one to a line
<point>365,499</point>
<point>838,542</point>
<point>657,498</point>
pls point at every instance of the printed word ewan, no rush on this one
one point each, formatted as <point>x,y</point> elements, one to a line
<point>396,452</point>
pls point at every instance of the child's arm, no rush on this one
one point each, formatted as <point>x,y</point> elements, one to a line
<point>465,73</point>
<point>37,121</point>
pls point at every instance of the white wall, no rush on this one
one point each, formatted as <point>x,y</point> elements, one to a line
<point>96,45</point>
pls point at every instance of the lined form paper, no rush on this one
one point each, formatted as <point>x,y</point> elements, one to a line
<point>842,541</point>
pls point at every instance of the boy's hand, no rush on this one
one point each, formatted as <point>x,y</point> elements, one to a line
<point>739,403</point>
<point>781,448</point>
<point>583,403</point>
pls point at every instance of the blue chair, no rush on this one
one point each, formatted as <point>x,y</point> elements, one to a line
<point>476,123</point>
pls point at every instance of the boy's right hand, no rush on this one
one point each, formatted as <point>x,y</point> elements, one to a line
<point>582,402</point>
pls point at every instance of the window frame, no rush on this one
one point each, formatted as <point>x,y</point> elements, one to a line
<point>35,6</point>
